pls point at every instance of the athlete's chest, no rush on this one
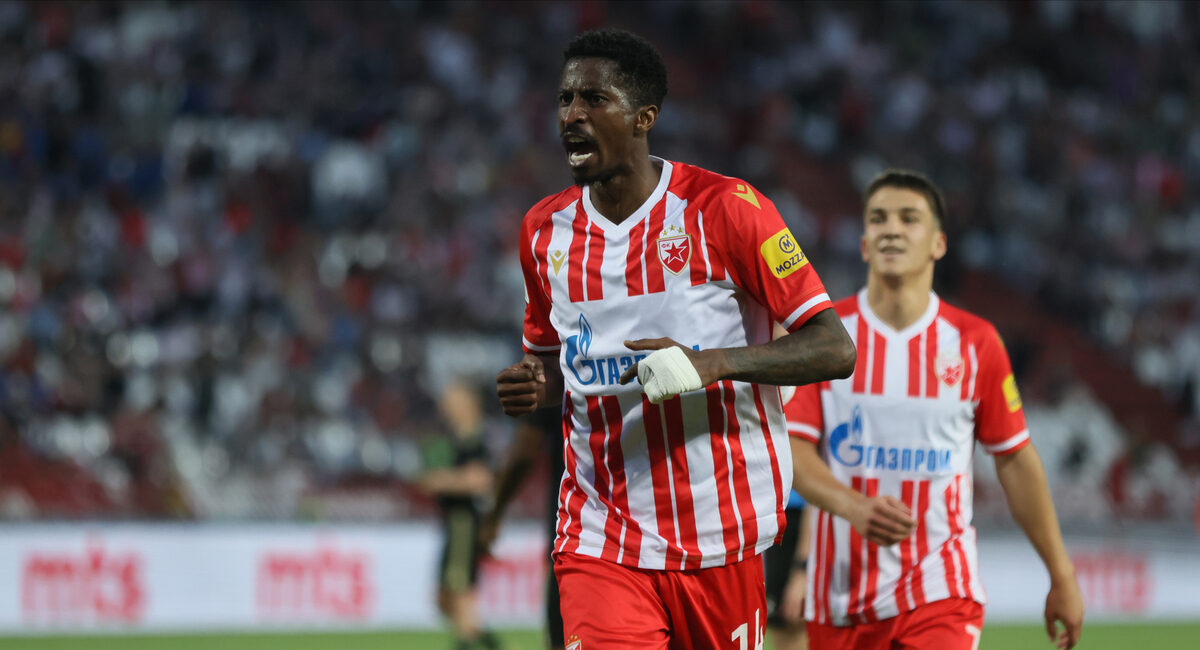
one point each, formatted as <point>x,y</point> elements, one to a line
<point>587,259</point>
<point>891,433</point>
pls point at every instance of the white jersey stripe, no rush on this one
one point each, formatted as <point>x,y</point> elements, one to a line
<point>540,348</point>
<point>804,309</point>
<point>1008,444</point>
<point>805,431</point>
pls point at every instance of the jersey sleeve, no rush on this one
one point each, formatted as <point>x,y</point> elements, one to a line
<point>538,335</point>
<point>766,261</point>
<point>803,413</point>
<point>999,418</point>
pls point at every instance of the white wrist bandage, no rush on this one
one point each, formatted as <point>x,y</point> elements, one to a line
<point>667,373</point>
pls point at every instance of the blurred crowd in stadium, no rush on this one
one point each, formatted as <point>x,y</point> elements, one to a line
<point>242,246</point>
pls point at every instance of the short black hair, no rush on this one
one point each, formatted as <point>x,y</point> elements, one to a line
<point>641,68</point>
<point>909,179</point>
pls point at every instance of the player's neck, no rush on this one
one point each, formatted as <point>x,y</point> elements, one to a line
<point>621,195</point>
<point>898,301</point>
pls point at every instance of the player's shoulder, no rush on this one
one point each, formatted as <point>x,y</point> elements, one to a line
<point>846,307</point>
<point>969,324</point>
<point>708,189</point>
<point>541,211</point>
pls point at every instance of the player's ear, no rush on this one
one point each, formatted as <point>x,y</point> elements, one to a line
<point>862,247</point>
<point>645,119</point>
<point>939,245</point>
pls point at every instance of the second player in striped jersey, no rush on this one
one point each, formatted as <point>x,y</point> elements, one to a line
<point>930,380</point>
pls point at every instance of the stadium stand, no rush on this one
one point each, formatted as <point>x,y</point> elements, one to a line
<point>242,244</point>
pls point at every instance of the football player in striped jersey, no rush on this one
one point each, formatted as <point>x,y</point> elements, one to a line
<point>929,382</point>
<point>651,290</point>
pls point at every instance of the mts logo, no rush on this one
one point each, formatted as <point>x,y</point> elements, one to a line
<point>1114,581</point>
<point>323,582</point>
<point>95,585</point>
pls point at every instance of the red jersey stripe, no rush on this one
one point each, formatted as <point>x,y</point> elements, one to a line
<point>575,255</point>
<point>664,502</point>
<point>567,484</point>
<point>906,551</point>
<point>721,462</point>
<point>654,267</point>
<point>633,259</point>
<point>595,259</point>
<point>631,543</point>
<point>699,268</point>
<point>880,351</point>
<point>862,341</point>
<point>741,482</point>
<point>857,549</point>
<point>574,504</point>
<point>949,560</point>
<point>780,496</point>
<point>957,529</point>
<point>540,248</point>
<point>872,489</point>
<point>914,368</point>
<point>597,441</point>
<point>685,508</point>
<point>922,535</point>
<point>821,578</point>
<point>830,556</point>
<point>931,353</point>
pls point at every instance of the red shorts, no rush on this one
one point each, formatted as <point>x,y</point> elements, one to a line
<point>952,624</point>
<point>607,606</point>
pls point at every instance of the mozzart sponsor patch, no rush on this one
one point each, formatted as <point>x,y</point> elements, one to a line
<point>1011,394</point>
<point>782,255</point>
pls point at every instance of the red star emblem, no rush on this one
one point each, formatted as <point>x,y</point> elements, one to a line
<point>674,252</point>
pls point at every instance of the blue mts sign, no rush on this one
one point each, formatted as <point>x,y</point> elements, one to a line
<point>846,448</point>
<point>587,371</point>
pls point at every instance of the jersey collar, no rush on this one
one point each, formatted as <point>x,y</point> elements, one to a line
<point>664,180</point>
<point>918,326</point>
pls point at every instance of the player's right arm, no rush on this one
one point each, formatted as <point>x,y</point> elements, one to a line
<point>884,520</point>
<point>536,380</point>
<point>531,383</point>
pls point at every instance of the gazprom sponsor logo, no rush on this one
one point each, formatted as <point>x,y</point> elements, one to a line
<point>847,448</point>
<point>588,371</point>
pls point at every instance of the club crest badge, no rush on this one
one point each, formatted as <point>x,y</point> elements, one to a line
<point>574,643</point>
<point>674,249</point>
<point>949,368</point>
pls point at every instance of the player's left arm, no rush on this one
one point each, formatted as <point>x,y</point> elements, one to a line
<point>818,351</point>
<point>791,608</point>
<point>765,261</point>
<point>1000,426</point>
<point>1024,482</point>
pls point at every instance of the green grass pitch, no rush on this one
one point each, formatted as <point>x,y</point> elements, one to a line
<point>995,637</point>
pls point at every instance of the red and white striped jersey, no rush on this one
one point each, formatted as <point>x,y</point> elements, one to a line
<point>905,424</point>
<point>701,479</point>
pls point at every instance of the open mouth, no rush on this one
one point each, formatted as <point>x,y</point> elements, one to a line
<point>579,149</point>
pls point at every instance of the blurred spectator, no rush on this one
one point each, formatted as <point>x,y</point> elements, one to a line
<point>225,263</point>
